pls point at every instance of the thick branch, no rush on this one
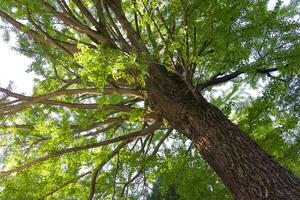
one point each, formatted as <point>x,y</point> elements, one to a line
<point>29,101</point>
<point>16,108</point>
<point>88,15</point>
<point>99,8</point>
<point>115,28</point>
<point>225,78</point>
<point>115,5</point>
<point>125,91</point>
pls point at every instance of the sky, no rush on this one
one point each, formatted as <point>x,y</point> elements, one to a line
<point>13,65</point>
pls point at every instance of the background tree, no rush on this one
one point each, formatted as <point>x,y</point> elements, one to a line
<point>124,86</point>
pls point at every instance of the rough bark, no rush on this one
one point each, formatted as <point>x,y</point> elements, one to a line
<point>244,167</point>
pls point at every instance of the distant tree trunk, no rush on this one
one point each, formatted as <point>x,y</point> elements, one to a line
<point>244,167</point>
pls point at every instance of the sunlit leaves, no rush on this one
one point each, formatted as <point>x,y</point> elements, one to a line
<point>101,63</point>
<point>274,123</point>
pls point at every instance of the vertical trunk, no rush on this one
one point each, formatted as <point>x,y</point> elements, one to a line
<point>243,166</point>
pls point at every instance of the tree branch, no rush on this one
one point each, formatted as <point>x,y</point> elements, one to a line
<point>65,184</point>
<point>71,21</point>
<point>108,127</point>
<point>124,44</point>
<point>99,8</point>
<point>161,141</point>
<point>36,36</point>
<point>45,34</point>
<point>101,165</point>
<point>217,80</point>
<point>88,15</point>
<point>130,136</point>
<point>132,35</point>
<point>29,101</point>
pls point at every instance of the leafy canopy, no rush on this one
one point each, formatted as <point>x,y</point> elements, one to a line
<point>87,130</point>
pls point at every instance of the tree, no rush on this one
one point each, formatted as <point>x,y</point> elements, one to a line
<point>116,79</point>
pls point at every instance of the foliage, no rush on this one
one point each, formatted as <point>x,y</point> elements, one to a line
<point>89,117</point>
<point>100,63</point>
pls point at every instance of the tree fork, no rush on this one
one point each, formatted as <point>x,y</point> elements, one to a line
<point>244,167</point>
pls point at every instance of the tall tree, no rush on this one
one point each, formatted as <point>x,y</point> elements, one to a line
<point>116,79</point>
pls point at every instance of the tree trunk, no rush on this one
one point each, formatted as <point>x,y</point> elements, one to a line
<point>243,166</point>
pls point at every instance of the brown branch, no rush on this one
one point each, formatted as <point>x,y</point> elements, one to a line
<point>34,144</point>
<point>7,103</point>
<point>186,32</point>
<point>29,101</point>
<point>132,35</point>
<point>88,15</point>
<point>12,94</point>
<point>188,83</point>
<point>65,7</point>
<point>217,80</point>
<point>101,165</point>
<point>161,141</point>
<point>124,91</point>
<point>204,46</point>
<point>189,149</point>
<point>99,123</point>
<point>45,34</point>
<point>76,128</point>
<point>129,136</point>
<point>110,126</point>
<point>151,37</point>
<point>65,184</point>
<point>19,126</point>
<point>160,35</point>
<point>113,107</point>
<point>136,21</point>
<point>147,140</point>
<point>119,35</point>
<point>115,176</point>
<point>36,36</point>
<point>99,8</point>
<point>71,21</point>
<point>132,179</point>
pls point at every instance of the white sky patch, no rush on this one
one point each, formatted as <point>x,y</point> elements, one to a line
<point>272,3</point>
<point>13,66</point>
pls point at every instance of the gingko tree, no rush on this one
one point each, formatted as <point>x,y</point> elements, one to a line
<point>136,95</point>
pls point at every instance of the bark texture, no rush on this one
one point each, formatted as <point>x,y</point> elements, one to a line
<point>244,167</point>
